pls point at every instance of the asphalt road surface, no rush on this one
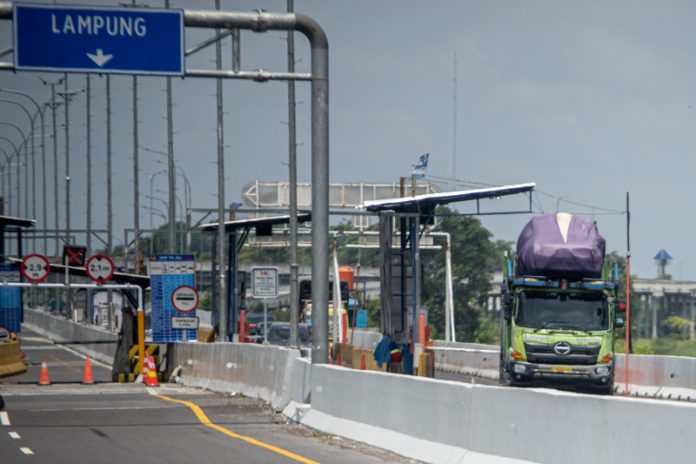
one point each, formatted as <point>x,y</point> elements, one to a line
<point>67,422</point>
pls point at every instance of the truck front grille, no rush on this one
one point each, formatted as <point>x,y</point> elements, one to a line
<point>544,354</point>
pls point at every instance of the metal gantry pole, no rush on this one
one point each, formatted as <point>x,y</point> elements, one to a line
<point>292,168</point>
<point>171,229</point>
<point>320,195</point>
<point>222,300</point>
<point>89,163</point>
<point>260,21</point>
<point>136,179</point>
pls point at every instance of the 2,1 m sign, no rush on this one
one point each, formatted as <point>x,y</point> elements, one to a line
<point>99,40</point>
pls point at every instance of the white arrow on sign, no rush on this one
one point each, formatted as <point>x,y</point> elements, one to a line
<point>99,58</point>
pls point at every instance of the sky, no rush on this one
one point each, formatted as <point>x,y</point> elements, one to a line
<point>589,100</point>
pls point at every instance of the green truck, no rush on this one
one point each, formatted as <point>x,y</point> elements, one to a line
<point>560,309</point>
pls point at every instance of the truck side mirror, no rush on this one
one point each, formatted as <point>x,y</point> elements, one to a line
<point>507,309</point>
<point>619,322</point>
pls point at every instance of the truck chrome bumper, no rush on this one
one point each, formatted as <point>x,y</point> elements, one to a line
<point>596,373</point>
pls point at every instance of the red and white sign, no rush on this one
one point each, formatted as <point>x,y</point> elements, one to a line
<point>100,268</point>
<point>185,299</point>
<point>35,268</point>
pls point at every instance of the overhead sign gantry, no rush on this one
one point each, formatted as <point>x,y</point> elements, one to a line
<point>262,21</point>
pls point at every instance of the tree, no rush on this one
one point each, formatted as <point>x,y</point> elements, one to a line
<point>474,258</point>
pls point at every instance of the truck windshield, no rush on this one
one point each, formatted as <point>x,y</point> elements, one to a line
<point>562,310</point>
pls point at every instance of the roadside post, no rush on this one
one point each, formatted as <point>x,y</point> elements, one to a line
<point>264,285</point>
<point>100,269</point>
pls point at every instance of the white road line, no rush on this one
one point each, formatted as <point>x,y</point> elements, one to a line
<point>15,435</point>
<point>42,348</point>
<point>4,418</point>
<point>26,450</point>
<point>112,408</point>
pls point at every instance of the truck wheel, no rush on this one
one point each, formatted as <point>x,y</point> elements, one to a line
<point>504,377</point>
<point>606,390</point>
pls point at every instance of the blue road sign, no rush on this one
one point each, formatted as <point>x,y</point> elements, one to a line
<point>98,40</point>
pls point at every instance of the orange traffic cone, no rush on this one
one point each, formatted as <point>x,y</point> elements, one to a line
<point>87,378</point>
<point>150,373</point>
<point>43,377</point>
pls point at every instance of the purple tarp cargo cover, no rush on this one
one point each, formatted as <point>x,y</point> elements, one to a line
<point>560,246</point>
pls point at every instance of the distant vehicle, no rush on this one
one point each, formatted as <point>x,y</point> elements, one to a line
<point>279,334</point>
<point>560,307</point>
<point>255,321</point>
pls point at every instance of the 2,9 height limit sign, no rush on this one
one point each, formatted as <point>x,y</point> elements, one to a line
<point>99,40</point>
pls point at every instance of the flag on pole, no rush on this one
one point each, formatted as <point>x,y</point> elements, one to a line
<point>421,166</point>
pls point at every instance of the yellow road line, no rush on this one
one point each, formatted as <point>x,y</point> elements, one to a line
<point>205,421</point>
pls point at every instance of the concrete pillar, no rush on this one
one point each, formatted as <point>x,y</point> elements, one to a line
<point>691,317</point>
<point>653,335</point>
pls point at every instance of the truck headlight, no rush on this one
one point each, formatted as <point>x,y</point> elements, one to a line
<point>602,370</point>
<point>519,368</point>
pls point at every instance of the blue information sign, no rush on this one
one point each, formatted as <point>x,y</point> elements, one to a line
<point>167,273</point>
<point>10,299</point>
<point>99,40</point>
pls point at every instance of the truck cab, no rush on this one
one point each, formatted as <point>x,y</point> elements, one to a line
<point>555,331</point>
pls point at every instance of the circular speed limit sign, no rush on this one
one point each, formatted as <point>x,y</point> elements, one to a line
<point>185,299</point>
<point>35,268</point>
<point>99,268</point>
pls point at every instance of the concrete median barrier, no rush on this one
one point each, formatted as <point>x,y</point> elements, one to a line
<point>467,358</point>
<point>440,421</point>
<point>59,329</point>
<point>261,371</point>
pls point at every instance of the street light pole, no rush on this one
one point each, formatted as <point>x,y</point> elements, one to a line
<point>67,96</point>
<point>9,174</point>
<point>221,235</point>
<point>292,168</point>
<point>53,105</point>
<point>109,205</point>
<point>26,167</point>
<point>24,138</point>
<point>40,110</point>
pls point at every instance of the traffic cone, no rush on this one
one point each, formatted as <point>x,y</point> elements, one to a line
<point>362,362</point>
<point>43,377</point>
<point>151,372</point>
<point>87,378</point>
<point>141,377</point>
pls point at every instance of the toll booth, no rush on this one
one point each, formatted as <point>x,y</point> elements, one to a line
<point>237,232</point>
<point>400,268</point>
<point>10,226</point>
